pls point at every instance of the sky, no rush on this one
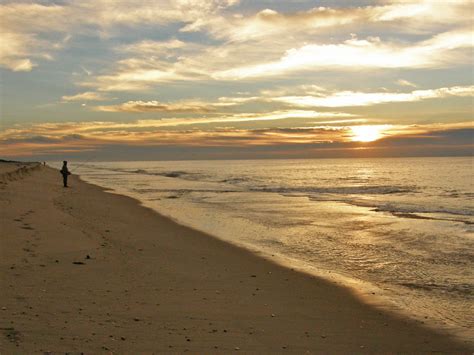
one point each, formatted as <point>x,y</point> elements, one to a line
<point>235,79</point>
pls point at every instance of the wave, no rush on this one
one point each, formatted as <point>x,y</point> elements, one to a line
<point>350,195</point>
<point>405,210</point>
<point>171,174</point>
<point>356,196</point>
<point>458,194</point>
<point>401,208</point>
<point>181,191</point>
<point>235,180</point>
<point>462,288</point>
<point>342,190</point>
<point>417,216</point>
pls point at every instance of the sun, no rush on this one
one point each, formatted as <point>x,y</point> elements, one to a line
<point>367,133</point>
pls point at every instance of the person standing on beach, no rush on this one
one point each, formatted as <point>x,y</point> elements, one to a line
<point>65,173</point>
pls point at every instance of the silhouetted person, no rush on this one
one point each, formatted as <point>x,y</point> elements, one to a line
<point>65,173</point>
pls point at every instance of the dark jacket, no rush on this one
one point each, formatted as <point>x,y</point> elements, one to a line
<point>65,171</point>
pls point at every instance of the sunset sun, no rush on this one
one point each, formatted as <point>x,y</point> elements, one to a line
<point>367,133</point>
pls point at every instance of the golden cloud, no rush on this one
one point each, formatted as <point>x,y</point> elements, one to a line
<point>355,54</point>
<point>24,24</point>
<point>410,15</point>
<point>350,98</point>
<point>85,96</point>
<point>156,106</point>
<point>51,138</point>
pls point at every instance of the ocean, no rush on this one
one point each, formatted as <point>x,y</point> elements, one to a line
<point>398,231</point>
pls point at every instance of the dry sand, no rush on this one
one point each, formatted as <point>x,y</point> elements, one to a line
<point>83,270</point>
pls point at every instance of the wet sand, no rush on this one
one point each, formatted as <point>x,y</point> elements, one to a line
<point>83,270</point>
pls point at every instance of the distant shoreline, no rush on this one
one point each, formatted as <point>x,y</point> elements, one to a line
<point>80,160</point>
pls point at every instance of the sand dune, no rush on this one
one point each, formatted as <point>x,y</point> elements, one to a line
<point>83,270</point>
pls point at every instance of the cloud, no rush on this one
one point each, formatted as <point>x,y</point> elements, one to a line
<point>218,119</point>
<point>409,16</point>
<point>21,27</point>
<point>354,54</point>
<point>102,14</point>
<point>403,82</point>
<point>324,140</point>
<point>194,138</point>
<point>101,129</point>
<point>156,106</point>
<point>85,96</point>
<point>270,23</point>
<point>350,98</point>
<point>250,45</point>
<point>27,17</point>
<point>42,139</point>
<point>147,130</point>
<point>111,13</point>
<point>31,24</point>
<point>151,63</point>
<point>27,27</point>
<point>424,13</point>
<point>314,97</point>
<point>14,52</point>
<point>195,106</point>
<point>157,62</point>
<point>136,74</point>
<point>153,47</point>
<point>150,44</point>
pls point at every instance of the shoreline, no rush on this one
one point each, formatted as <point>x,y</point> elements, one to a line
<point>105,273</point>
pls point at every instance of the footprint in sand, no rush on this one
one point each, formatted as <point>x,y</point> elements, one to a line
<point>27,227</point>
<point>26,214</point>
<point>12,334</point>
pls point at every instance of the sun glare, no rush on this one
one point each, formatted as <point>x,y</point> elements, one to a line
<point>367,133</point>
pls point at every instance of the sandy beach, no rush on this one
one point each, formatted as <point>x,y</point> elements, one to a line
<point>83,270</point>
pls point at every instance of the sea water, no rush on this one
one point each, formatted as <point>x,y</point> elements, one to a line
<point>397,228</point>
